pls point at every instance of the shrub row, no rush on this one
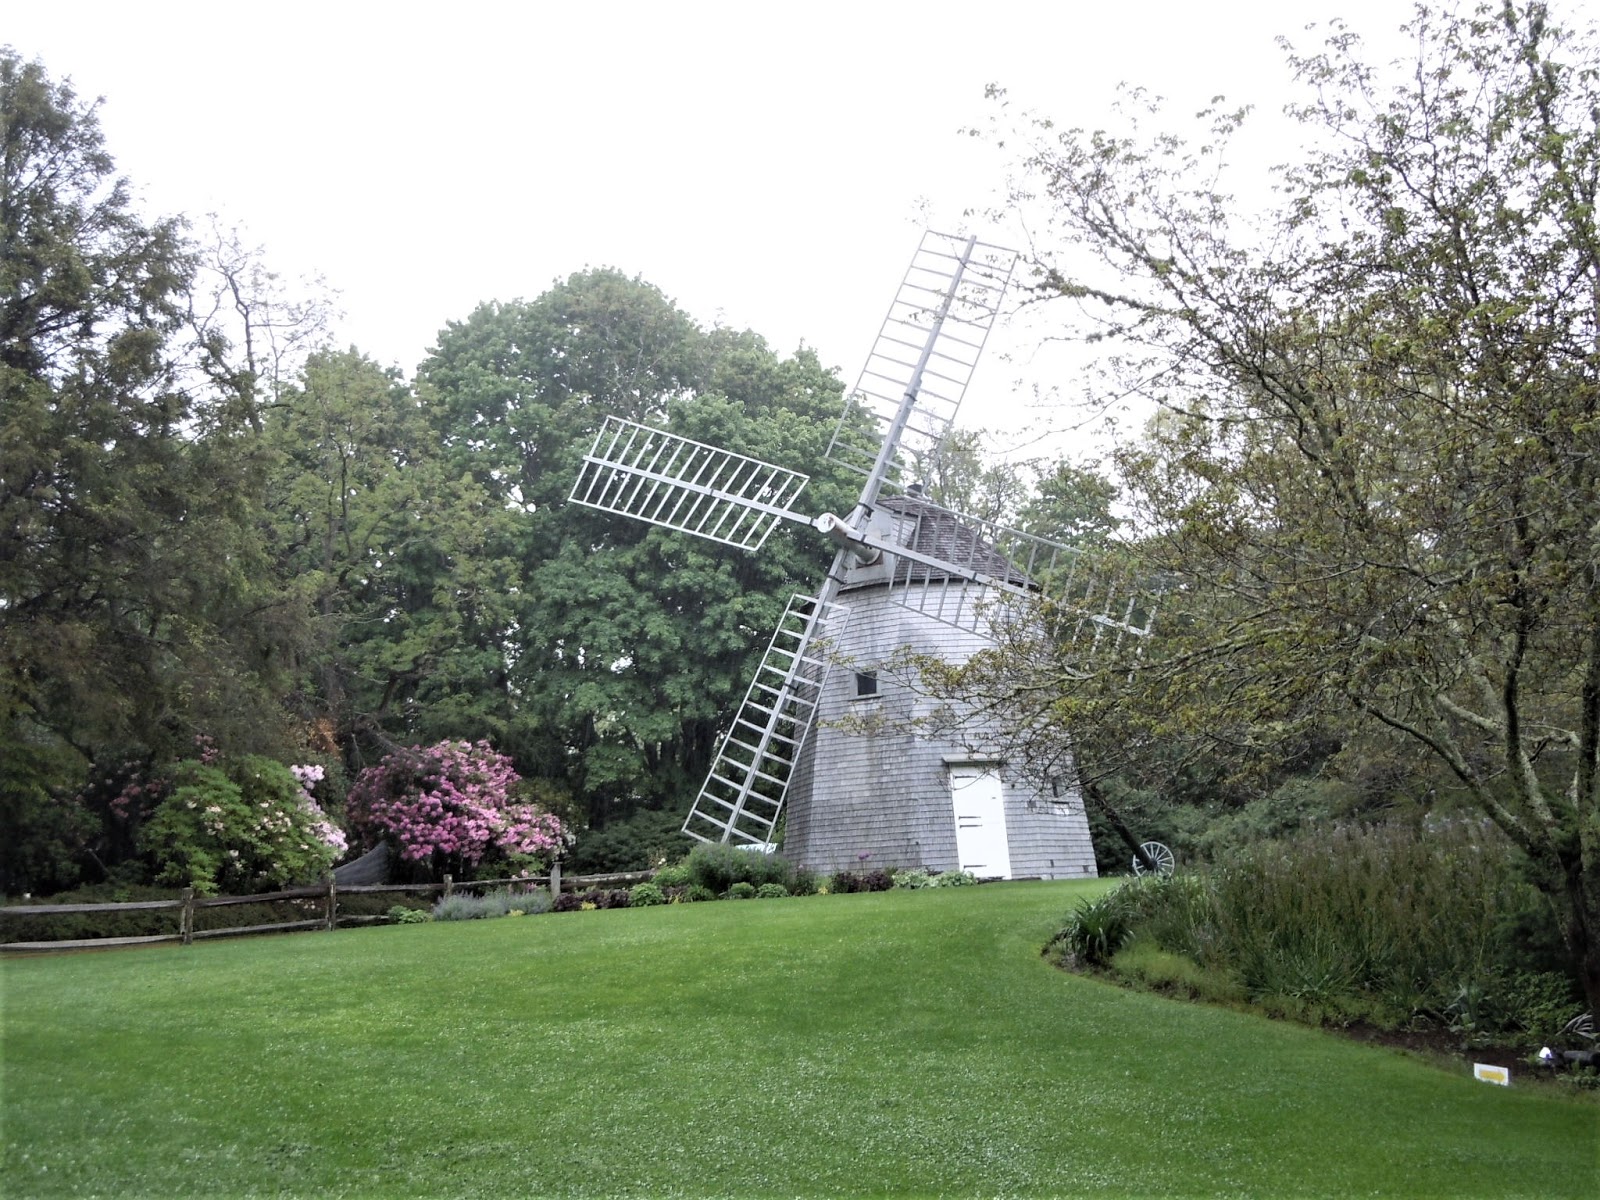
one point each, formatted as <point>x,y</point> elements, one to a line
<point>718,869</point>
<point>463,906</point>
<point>1385,925</point>
<point>916,878</point>
<point>877,880</point>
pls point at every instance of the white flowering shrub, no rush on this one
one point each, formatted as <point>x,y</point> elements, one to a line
<point>236,825</point>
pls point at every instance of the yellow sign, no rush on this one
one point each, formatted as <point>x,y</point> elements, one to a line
<point>1491,1074</point>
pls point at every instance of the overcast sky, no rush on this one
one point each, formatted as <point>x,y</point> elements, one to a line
<point>767,165</point>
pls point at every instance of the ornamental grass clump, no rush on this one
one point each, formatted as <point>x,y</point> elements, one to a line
<point>528,901</point>
<point>1388,925</point>
<point>458,907</point>
<point>463,906</point>
<point>1408,915</point>
<point>1097,929</point>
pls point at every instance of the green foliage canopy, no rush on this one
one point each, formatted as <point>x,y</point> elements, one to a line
<point>623,645</point>
<point>136,602</point>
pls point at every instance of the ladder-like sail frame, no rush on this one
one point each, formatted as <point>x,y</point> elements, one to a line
<point>744,791</point>
<point>927,349</point>
<point>647,473</point>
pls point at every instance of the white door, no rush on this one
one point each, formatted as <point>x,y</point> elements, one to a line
<point>981,845</point>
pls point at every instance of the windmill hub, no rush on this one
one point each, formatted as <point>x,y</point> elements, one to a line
<point>847,536</point>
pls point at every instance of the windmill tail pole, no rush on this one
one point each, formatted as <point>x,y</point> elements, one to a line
<point>1093,790</point>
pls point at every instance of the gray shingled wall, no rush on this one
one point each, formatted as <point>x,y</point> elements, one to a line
<point>870,783</point>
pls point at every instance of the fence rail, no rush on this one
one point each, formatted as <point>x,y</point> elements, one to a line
<point>328,893</point>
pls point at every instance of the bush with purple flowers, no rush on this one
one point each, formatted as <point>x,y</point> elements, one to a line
<point>453,807</point>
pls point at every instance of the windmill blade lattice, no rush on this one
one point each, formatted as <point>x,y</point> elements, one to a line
<point>960,279</point>
<point>744,791</point>
<point>980,575</point>
<point>647,473</point>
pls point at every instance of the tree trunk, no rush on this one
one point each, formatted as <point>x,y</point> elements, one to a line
<point>1581,932</point>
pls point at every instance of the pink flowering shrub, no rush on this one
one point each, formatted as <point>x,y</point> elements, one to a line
<point>453,805</point>
<point>238,824</point>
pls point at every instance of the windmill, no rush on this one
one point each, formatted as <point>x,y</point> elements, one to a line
<point>862,778</point>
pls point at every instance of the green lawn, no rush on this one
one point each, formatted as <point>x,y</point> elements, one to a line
<point>900,1043</point>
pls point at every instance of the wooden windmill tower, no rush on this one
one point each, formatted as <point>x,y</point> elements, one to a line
<point>861,778</point>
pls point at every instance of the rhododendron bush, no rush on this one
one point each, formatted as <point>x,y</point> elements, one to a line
<point>237,823</point>
<point>454,804</point>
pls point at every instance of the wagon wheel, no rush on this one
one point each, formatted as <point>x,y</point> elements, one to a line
<point>1157,853</point>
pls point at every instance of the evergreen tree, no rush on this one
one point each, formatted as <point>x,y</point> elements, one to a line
<point>131,579</point>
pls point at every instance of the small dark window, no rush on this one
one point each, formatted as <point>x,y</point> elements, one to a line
<point>866,684</point>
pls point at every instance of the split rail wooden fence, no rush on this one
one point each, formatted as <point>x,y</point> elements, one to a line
<point>324,896</point>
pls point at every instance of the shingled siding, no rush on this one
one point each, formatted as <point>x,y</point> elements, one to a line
<point>871,784</point>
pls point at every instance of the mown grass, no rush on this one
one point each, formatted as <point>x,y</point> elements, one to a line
<point>898,1043</point>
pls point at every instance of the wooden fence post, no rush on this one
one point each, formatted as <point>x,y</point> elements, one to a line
<point>449,885</point>
<point>555,878</point>
<point>186,918</point>
<point>333,904</point>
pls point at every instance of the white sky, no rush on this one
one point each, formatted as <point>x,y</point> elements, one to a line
<point>767,165</point>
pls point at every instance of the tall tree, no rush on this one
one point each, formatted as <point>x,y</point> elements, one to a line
<point>1377,485</point>
<point>1072,504</point>
<point>391,554</point>
<point>961,476</point>
<point>130,572</point>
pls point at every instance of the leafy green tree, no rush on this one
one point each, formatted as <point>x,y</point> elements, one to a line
<point>45,830</point>
<point>393,554</point>
<point>960,475</point>
<point>1377,483</point>
<point>1072,504</point>
<point>237,824</point>
<point>627,645</point>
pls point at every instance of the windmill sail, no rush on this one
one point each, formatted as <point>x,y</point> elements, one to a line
<point>743,793</point>
<point>647,473</point>
<point>927,349</point>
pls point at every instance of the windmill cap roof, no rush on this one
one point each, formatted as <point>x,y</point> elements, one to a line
<point>931,529</point>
